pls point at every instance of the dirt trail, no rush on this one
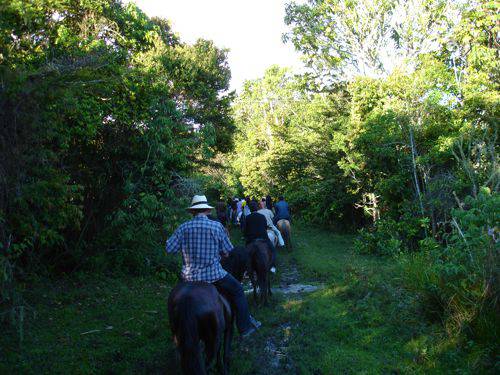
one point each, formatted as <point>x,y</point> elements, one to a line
<point>289,275</point>
<point>276,345</point>
<point>270,345</point>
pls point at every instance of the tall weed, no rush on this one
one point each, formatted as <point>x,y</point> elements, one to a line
<point>458,281</point>
<point>12,305</point>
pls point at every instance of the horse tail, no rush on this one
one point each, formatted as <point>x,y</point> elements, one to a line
<point>263,286</point>
<point>284,227</point>
<point>214,322</point>
<point>261,266</point>
<point>189,339</point>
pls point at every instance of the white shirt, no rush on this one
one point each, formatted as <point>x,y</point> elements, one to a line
<point>268,215</point>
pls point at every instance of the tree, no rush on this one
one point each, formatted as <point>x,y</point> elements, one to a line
<point>286,144</point>
<point>341,39</point>
<point>98,104</point>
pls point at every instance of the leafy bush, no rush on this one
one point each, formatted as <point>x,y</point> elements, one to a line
<point>380,239</point>
<point>389,237</point>
<point>459,281</point>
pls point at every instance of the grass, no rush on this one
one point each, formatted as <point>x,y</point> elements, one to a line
<point>362,322</point>
<point>125,319</point>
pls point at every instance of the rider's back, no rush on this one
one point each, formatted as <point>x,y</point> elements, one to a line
<point>255,227</point>
<point>199,241</point>
<point>268,214</point>
<point>282,210</point>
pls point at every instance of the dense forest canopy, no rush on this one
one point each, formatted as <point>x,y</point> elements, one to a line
<point>109,122</point>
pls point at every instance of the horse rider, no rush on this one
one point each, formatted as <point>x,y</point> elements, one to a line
<point>256,229</point>
<point>233,210</point>
<point>201,242</point>
<point>221,211</point>
<point>269,219</point>
<point>245,211</point>
<point>282,210</point>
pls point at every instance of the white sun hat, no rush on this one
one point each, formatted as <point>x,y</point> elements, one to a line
<point>199,202</point>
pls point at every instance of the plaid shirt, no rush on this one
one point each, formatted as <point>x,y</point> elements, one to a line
<point>200,240</point>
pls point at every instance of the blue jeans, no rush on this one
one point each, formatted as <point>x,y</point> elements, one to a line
<point>230,288</point>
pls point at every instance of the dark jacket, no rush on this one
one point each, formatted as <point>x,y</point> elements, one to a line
<point>255,227</point>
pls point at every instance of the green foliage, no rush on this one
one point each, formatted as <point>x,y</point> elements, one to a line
<point>101,106</point>
<point>91,324</point>
<point>340,38</point>
<point>109,123</point>
<point>458,281</point>
<point>285,144</point>
<point>390,237</point>
<point>380,239</point>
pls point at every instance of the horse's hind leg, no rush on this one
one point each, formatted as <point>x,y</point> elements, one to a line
<point>254,285</point>
<point>263,288</point>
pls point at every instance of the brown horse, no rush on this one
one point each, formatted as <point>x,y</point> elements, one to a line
<point>284,227</point>
<point>260,262</point>
<point>197,312</point>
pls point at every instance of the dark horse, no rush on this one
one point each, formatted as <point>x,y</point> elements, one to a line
<point>237,262</point>
<point>260,255</point>
<point>197,312</point>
